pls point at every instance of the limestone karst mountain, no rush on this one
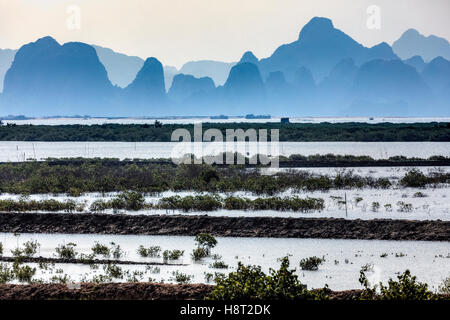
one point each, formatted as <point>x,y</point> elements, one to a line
<point>412,43</point>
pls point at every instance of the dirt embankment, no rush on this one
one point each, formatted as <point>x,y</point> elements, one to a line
<point>124,291</point>
<point>128,291</point>
<point>105,291</point>
<point>327,228</point>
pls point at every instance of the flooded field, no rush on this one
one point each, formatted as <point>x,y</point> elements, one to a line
<point>426,204</point>
<point>14,151</point>
<point>430,261</point>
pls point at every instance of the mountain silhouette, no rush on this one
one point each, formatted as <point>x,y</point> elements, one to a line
<point>122,69</point>
<point>412,43</point>
<point>184,86</point>
<point>147,92</point>
<point>216,70</point>
<point>6,59</point>
<point>416,62</point>
<point>47,78</point>
<point>437,75</point>
<point>244,88</point>
<point>248,56</point>
<point>389,88</point>
<point>323,73</point>
<point>319,48</point>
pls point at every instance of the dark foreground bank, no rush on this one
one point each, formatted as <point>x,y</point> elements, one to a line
<point>129,291</point>
<point>326,228</point>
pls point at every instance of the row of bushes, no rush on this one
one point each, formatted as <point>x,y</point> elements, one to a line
<point>215,202</point>
<point>51,205</point>
<point>287,132</point>
<point>103,176</point>
<point>135,201</point>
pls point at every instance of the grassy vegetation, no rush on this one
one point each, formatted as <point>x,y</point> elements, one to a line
<point>311,263</point>
<point>186,204</point>
<point>405,288</point>
<point>98,175</point>
<point>288,132</point>
<point>251,283</point>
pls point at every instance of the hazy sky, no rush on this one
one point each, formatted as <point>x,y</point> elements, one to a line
<point>176,31</point>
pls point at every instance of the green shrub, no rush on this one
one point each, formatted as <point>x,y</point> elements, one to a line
<point>405,288</point>
<point>415,179</point>
<point>205,240</point>
<point>444,287</point>
<point>199,253</point>
<point>23,273</point>
<point>181,277</point>
<point>6,273</point>
<point>66,251</point>
<point>250,283</point>
<point>101,249</point>
<point>172,254</point>
<point>218,265</point>
<point>311,263</point>
<point>153,252</point>
<point>113,271</point>
<point>30,248</point>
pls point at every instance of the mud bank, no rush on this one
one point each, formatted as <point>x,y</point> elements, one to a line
<point>125,291</point>
<point>326,228</point>
<point>106,291</point>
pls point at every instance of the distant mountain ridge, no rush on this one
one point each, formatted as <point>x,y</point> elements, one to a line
<point>412,43</point>
<point>60,79</point>
<point>6,58</point>
<point>323,73</point>
<point>319,48</point>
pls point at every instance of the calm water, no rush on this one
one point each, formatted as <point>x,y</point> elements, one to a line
<point>64,121</point>
<point>420,257</point>
<point>433,206</point>
<point>20,151</point>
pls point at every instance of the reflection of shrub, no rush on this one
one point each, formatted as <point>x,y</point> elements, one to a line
<point>311,263</point>
<point>251,283</point>
<point>405,288</point>
<point>419,195</point>
<point>404,207</point>
<point>375,206</point>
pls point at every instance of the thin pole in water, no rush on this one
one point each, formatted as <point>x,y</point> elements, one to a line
<point>346,212</point>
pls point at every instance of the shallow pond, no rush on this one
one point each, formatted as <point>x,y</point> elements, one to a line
<point>21,150</point>
<point>429,261</point>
